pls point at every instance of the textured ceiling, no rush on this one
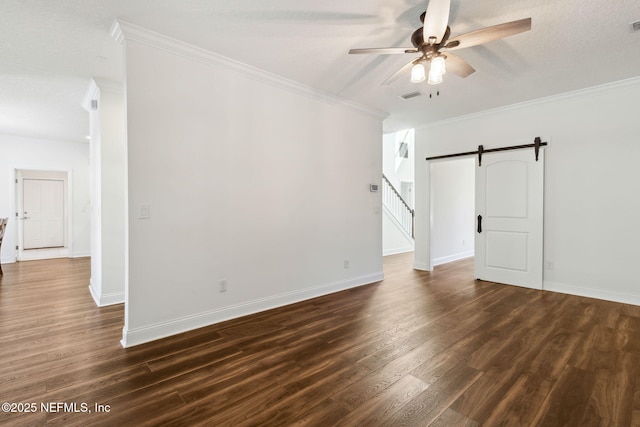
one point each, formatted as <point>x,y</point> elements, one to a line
<point>50,49</point>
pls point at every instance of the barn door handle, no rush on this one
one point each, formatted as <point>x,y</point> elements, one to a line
<point>479,223</point>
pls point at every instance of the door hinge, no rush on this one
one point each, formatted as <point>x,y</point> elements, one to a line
<point>16,180</point>
<point>17,248</point>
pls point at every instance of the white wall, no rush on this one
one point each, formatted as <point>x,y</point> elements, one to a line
<point>592,182</point>
<point>396,169</point>
<point>250,180</point>
<point>453,204</point>
<point>389,158</point>
<point>38,154</point>
<point>114,199</point>
<point>108,189</point>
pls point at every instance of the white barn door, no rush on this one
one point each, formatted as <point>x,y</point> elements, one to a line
<point>509,218</point>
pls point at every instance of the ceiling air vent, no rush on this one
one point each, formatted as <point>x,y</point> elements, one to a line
<point>635,26</point>
<point>410,95</point>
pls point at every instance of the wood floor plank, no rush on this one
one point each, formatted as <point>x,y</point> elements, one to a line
<point>328,413</point>
<point>435,368</point>
<point>418,348</point>
<point>521,402</point>
<point>451,418</point>
<point>384,405</point>
<point>612,395</point>
<point>429,405</point>
<point>567,403</point>
<point>308,392</point>
<point>635,414</point>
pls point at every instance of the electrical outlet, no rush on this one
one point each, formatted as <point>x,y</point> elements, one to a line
<point>549,265</point>
<point>223,285</point>
<point>346,263</point>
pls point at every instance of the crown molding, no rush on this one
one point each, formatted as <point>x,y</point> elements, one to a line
<point>576,94</point>
<point>123,31</point>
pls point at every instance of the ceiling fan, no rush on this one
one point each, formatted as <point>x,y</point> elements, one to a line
<point>432,41</point>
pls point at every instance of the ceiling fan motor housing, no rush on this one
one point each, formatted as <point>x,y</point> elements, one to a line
<point>428,50</point>
<point>417,38</point>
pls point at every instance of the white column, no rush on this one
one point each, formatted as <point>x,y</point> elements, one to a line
<point>105,103</point>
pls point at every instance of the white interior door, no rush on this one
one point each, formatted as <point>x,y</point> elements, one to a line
<point>509,218</point>
<point>43,213</point>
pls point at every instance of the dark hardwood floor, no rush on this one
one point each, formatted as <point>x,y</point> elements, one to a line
<point>416,349</point>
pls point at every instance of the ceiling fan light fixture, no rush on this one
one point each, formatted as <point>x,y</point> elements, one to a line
<point>436,70</point>
<point>417,73</point>
<point>434,78</point>
<point>437,65</point>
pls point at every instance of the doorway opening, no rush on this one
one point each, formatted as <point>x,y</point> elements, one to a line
<point>398,163</point>
<point>42,202</point>
<point>452,210</point>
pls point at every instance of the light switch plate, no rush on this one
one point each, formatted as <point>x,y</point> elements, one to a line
<point>145,212</point>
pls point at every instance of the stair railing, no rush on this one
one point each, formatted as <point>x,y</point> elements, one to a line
<point>398,207</point>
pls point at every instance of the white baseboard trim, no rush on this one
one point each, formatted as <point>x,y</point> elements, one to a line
<point>44,253</point>
<point>35,257</point>
<point>106,299</point>
<point>80,255</point>
<point>451,258</point>
<point>592,293</point>
<point>397,251</point>
<point>136,336</point>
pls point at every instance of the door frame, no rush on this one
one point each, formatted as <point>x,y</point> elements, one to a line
<point>33,254</point>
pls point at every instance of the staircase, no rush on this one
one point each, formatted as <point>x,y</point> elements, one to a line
<point>398,208</point>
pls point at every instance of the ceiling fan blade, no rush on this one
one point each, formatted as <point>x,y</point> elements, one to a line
<point>436,20</point>
<point>458,66</point>
<point>392,78</point>
<point>385,50</point>
<point>489,34</point>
